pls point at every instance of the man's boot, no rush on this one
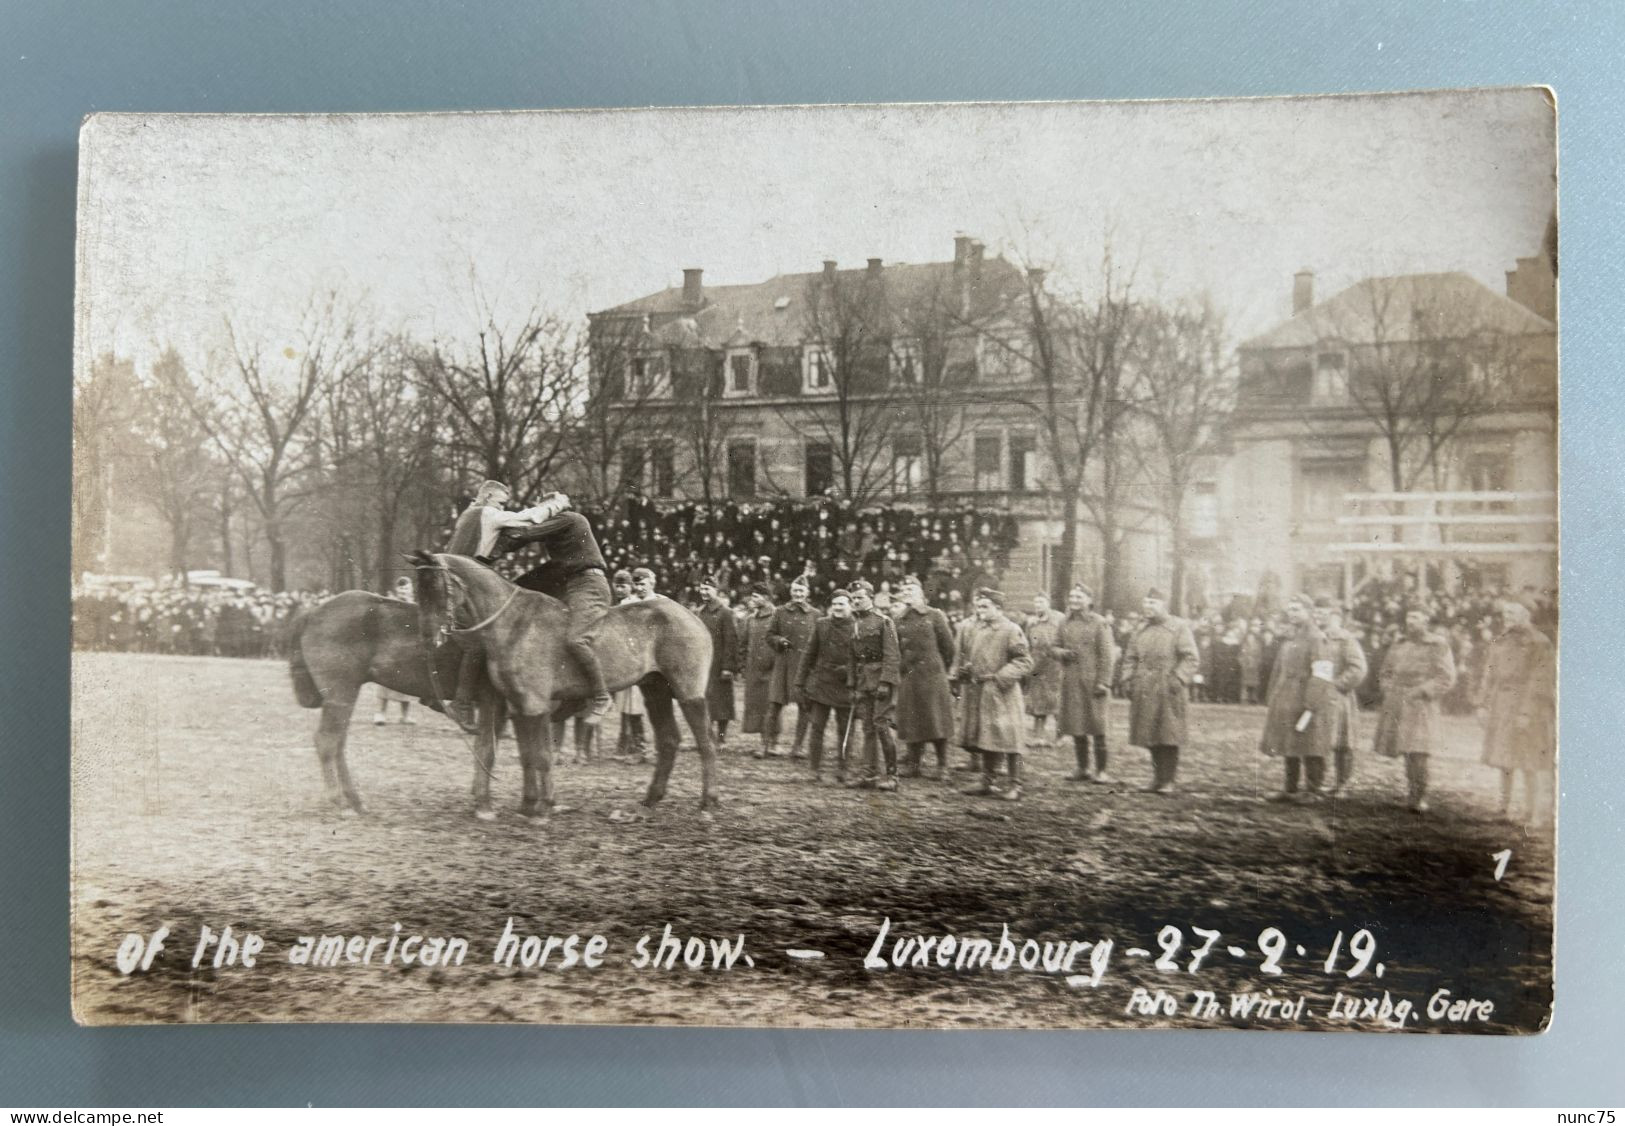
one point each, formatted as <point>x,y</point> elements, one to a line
<point>1289,783</point>
<point>1101,777</point>
<point>911,764</point>
<point>984,788</point>
<point>601,701</point>
<point>1012,792</point>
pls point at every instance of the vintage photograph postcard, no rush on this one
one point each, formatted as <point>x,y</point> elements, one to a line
<point>1065,565</point>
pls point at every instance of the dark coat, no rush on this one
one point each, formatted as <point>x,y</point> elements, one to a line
<point>1156,673</point>
<point>925,650</point>
<point>791,630</point>
<point>1086,654</point>
<point>758,672</point>
<point>1415,673</point>
<point>1044,685</point>
<point>1519,694</point>
<point>825,673</point>
<point>719,692</point>
<point>991,661</point>
<point>1295,690</point>
<point>874,654</point>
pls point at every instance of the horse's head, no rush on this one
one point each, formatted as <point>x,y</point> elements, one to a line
<point>441,596</point>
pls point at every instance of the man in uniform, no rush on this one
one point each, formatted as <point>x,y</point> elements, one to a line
<point>575,570</point>
<point>718,617</point>
<point>1518,705</point>
<point>824,682</point>
<point>643,584</point>
<point>1084,649</point>
<point>990,664</point>
<point>925,652</point>
<point>1348,673</point>
<point>759,655</point>
<point>1417,670</point>
<point>789,633</point>
<point>1043,688</point>
<point>1156,673</point>
<point>874,686</point>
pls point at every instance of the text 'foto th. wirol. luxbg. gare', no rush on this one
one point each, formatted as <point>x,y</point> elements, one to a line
<point>1043,566</point>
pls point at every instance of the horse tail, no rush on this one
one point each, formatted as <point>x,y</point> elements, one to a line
<point>304,685</point>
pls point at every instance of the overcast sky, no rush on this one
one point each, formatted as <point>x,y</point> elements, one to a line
<point>188,220</point>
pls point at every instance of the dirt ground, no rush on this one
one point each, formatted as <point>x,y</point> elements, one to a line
<point>198,801</point>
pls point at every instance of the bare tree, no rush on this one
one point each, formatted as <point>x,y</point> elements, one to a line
<point>934,401</point>
<point>259,407</point>
<point>1423,367</point>
<point>1184,387</point>
<point>845,402</point>
<point>505,394</point>
<point>1077,353</point>
<point>103,399</point>
<point>620,416</point>
<point>175,471</point>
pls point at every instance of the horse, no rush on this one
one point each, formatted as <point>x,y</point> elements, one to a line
<point>354,638</point>
<point>658,645</point>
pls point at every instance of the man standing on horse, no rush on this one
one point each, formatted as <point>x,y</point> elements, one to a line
<point>475,534</point>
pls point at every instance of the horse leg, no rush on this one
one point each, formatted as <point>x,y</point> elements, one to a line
<point>485,747</point>
<point>535,748</point>
<point>331,734</point>
<point>699,722</point>
<point>663,721</point>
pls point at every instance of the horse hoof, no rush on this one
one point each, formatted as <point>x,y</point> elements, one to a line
<point>485,814</point>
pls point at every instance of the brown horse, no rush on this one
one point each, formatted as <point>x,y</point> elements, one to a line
<point>658,645</point>
<point>355,638</point>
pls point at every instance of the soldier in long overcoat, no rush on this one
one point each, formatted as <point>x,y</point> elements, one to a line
<point>824,681</point>
<point>1043,688</point>
<point>1086,654</point>
<point>1155,675</point>
<point>789,633</point>
<point>925,704</point>
<point>718,617</point>
<point>874,687</point>
<point>759,718</point>
<point>1417,670</point>
<point>991,660</point>
<point>1301,723</point>
<point>1518,703</point>
<point>1348,673</point>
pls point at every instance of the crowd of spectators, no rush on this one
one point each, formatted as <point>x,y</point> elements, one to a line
<point>953,551</point>
<point>167,617</point>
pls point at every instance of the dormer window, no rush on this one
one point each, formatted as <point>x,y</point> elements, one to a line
<point>645,376</point>
<point>1331,379</point>
<point>905,362</point>
<point>817,370</point>
<point>741,373</point>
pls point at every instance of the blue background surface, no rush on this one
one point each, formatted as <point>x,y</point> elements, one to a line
<point>59,62</point>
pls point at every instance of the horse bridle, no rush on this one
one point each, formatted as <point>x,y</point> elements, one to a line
<point>453,576</point>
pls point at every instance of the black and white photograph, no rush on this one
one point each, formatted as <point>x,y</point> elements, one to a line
<point>978,565</point>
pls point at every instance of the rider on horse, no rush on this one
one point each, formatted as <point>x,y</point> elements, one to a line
<point>572,555</point>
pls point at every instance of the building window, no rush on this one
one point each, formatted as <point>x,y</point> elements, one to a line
<point>989,479</point>
<point>1331,380</point>
<point>820,468</point>
<point>633,465</point>
<point>1487,471</point>
<point>662,467</point>
<point>741,373</point>
<point>1023,461</point>
<point>817,369</point>
<point>1321,489</point>
<point>742,468</point>
<point>908,464</point>
<point>645,376</point>
<point>905,362</point>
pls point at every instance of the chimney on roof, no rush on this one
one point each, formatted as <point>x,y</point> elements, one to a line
<point>1036,275</point>
<point>693,292</point>
<point>874,267</point>
<point>1303,291</point>
<point>829,271</point>
<point>961,249</point>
